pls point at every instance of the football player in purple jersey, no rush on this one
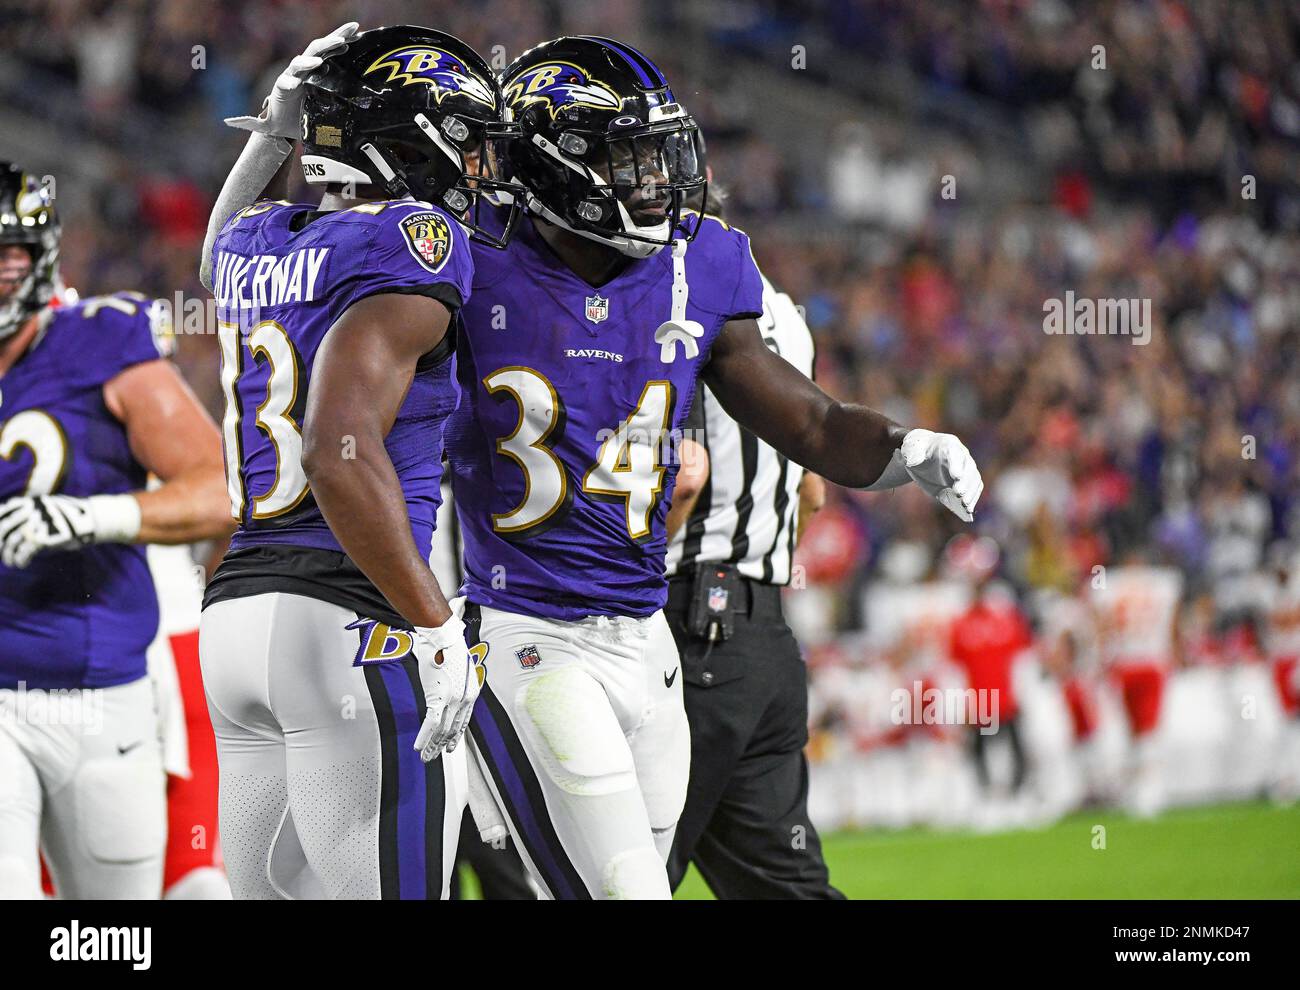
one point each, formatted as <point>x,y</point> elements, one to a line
<point>582,343</point>
<point>89,408</point>
<point>338,675</point>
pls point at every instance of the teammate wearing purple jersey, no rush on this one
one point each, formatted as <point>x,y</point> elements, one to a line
<point>583,344</point>
<point>333,663</point>
<point>89,407</point>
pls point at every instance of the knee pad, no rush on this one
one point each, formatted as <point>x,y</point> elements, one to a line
<point>576,733</point>
<point>121,809</point>
<point>636,875</point>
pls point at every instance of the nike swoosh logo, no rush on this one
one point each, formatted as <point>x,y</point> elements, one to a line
<point>123,750</point>
<point>669,678</point>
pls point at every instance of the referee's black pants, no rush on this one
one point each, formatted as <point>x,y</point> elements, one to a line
<point>745,824</point>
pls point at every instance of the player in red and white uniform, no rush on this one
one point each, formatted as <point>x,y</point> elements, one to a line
<point>1136,608</point>
<point>1282,642</point>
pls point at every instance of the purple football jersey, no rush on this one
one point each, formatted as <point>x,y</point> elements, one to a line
<point>564,448</point>
<point>77,618</point>
<point>283,274</point>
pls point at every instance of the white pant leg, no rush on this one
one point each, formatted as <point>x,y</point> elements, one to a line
<point>20,811</point>
<point>346,810</point>
<point>104,825</point>
<point>253,797</point>
<point>552,733</point>
<point>661,743</point>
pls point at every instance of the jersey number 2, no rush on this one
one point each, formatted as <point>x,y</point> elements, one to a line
<point>40,433</point>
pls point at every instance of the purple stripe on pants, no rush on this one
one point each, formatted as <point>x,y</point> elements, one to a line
<point>521,809</point>
<point>411,798</point>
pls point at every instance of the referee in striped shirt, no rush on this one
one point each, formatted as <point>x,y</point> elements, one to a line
<point>735,516</point>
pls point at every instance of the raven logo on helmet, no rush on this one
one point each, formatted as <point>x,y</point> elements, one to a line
<point>557,85</point>
<point>441,71</point>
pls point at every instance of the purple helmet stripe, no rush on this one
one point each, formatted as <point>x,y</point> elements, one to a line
<point>641,65</point>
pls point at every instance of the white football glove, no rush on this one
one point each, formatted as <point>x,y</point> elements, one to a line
<point>281,114</point>
<point>943,468</point>
<point>451,678</point>
<point>30,524</point>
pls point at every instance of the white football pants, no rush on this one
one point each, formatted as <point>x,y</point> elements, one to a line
<point>81,778</point>
<point>583,741</point>
<point>322,792</point>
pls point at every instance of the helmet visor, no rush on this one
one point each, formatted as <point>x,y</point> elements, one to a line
<point>651,171</point>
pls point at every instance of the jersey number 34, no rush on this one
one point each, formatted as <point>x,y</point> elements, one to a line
<point>628,467</point>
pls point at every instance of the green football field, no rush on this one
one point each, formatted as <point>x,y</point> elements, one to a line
<point>1239,850</point>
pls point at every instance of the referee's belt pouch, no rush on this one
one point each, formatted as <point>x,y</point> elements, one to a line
<point>718,593</point>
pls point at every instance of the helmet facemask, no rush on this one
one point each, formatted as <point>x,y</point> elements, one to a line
<point>625,187</point>
<point>27,219</point>
<point>457,165</point>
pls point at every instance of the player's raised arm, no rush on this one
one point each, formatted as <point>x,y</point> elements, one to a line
<point>362,372</point>
<point>263,167</point>
<point>848,444</point>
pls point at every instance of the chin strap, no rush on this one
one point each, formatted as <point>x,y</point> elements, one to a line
<point>640,250</point>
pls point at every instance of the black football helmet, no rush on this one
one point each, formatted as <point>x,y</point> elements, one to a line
<point>27,218</point>
<point>604,150</point>
<point>415,112</point>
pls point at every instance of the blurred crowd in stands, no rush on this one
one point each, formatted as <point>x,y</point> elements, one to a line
<point>1161,144</point>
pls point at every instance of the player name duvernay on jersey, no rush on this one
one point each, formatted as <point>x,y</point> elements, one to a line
<point>267,280</point>
<point>102,944</point>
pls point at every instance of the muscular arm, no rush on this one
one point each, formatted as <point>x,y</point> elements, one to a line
<point>848,444</point>
<point>360,378</point>
<point>172,436</point>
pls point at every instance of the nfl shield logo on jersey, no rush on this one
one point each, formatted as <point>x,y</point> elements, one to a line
<point>718,599</point>
<point>597,308</point>
<point>528,657</point>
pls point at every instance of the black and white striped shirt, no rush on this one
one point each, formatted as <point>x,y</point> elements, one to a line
<point>748,511</point>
